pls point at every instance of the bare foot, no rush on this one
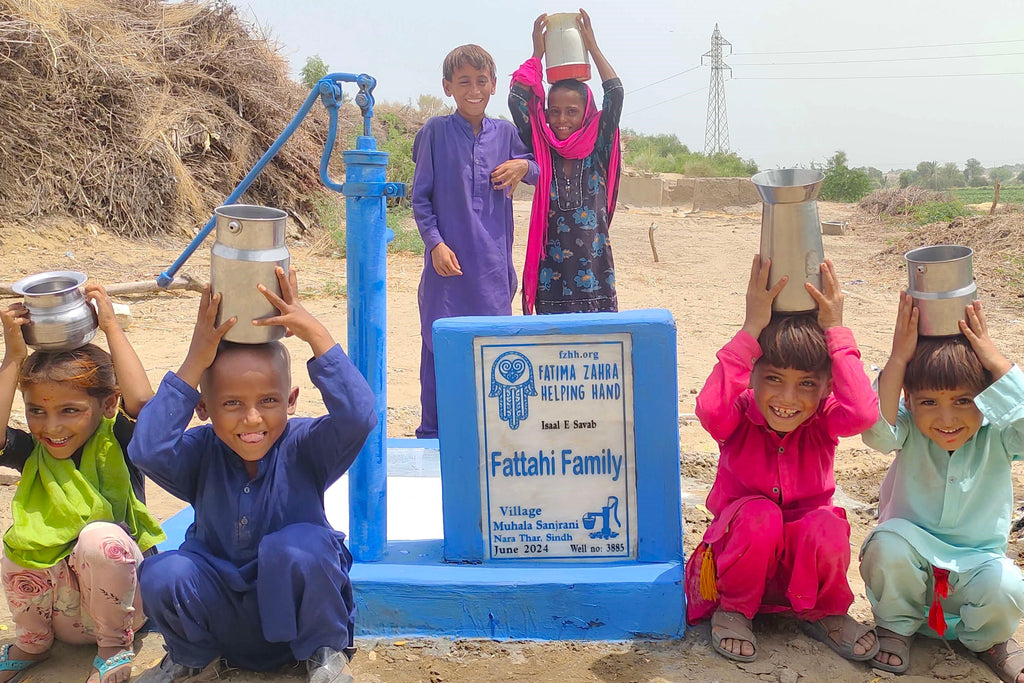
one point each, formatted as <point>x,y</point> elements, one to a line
<point>118,674</point>
<point>16,654</point>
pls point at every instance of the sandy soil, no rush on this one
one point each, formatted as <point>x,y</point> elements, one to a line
<point>700,278</point>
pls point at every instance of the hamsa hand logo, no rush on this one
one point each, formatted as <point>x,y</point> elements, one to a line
<point>512,384</point>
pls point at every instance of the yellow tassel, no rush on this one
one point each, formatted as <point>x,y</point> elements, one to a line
<point>708,587</point>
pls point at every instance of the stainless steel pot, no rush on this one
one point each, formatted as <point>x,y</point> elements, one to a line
<point>941,281</point>
<point>60,317</point>
<point>249,246</point>
<point>791,233</point>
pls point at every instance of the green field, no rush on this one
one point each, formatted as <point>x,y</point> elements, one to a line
<point>1014,194</point>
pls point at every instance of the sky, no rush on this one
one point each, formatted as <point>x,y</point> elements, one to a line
<point>890,82</point>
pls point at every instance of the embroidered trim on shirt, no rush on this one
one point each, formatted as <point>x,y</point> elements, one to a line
<point>120,409</point>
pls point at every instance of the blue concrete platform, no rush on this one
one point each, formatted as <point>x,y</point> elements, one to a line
<point>414,592</point>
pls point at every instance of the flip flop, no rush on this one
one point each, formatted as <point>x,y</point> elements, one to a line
<point>1005,659</point>
<point>19,665</point>
<point>894,644</point>
<point>849,632</point>
<point>105,666</point>
<point>732,625</point>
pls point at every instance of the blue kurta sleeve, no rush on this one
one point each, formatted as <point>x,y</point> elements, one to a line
<point>1002,404</point>
<point>163,447</point>
<point>333,441</point>
<point>423,187</point>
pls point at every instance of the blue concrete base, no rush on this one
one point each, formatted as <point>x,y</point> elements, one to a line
<point>412,592</point>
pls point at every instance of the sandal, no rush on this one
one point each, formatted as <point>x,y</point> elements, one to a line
<point>735,626</point>
<point>19,665</point>
<point>892,643</point>
<point>1005,659</point>
<point>105,666</point>
<point>850,631</point>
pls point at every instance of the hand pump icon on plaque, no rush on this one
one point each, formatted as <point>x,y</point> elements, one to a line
<point>607,513</point>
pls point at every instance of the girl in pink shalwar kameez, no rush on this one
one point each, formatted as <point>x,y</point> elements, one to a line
<point>784,390</point>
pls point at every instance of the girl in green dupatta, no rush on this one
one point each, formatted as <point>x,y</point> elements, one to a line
<point>80,521</point>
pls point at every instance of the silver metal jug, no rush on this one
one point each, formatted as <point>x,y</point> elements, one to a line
<point>249,246</point>
<point>791,233</point>
<point>60,317</point>
<point>941,281</point>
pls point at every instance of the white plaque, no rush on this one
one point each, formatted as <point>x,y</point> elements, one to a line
<point>557,459</point>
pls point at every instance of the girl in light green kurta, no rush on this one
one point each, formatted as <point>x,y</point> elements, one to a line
<point>937,559</point>
<point>80,524</point>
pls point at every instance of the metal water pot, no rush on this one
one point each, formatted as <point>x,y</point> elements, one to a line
<point>941,281</point>
<point>60,317</point>
<point>565,55</point>
<point>791,233</point>
<point>249,246</point>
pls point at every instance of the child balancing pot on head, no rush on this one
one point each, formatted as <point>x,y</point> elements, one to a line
<point>80,528</point>
<point>569,267</point>
<point>936,564</point>
<point>784,390</point>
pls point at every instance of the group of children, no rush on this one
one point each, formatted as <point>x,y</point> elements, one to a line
<point>262,578</point>
<point>785,388</point>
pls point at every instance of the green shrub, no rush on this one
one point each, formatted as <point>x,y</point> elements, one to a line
<point>842,183</point>
<point>666,154</point>
<point>939,212</point>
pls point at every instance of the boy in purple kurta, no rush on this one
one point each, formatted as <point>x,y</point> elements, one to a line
<point>467,166</point>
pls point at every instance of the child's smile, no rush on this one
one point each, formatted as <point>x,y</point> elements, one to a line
<point>248,400</point>
<point>63,417</point>
<point>947,417</point>
<point>787,397</point>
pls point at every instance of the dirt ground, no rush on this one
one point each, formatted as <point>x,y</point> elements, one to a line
<point>700,277</point>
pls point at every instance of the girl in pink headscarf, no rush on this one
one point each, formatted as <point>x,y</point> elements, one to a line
<point>569,266</point>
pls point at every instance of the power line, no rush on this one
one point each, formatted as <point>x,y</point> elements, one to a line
<point>856,78</point>
<point>658,104</point>
<point>872,49</point>
<point>692,68</point>
<point>869,61</point>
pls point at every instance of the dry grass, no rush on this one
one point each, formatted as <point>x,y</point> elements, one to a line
<point>998,261</point>
<point>900,201</point>
<point>142,116</point>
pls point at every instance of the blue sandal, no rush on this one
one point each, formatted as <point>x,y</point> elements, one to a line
<point>105,666</point>
<point>19,665</point>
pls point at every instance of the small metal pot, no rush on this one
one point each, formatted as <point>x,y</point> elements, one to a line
<point>60,317</point>
<point>941,281</point>
<point>250,245</point>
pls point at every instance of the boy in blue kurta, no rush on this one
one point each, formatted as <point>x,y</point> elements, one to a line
<point>937,559</point>
<point>467,166</point>
<point>262,578</point>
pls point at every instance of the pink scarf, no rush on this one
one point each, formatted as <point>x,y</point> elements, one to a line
<point>579,145</point>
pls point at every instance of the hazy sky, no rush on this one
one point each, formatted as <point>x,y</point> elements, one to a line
<point>883,80</point>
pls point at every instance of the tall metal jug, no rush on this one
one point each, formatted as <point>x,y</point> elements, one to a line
<point>565,55</point>
<point>249,246</point>
<point>791,233</point>
<point>941,281</point>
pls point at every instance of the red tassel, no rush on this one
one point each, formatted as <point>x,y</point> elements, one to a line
<point>936,617</point>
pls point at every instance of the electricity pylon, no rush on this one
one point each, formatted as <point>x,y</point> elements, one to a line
<point>716,133</point>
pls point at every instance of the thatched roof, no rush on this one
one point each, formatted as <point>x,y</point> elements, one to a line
<point>142,116</point>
